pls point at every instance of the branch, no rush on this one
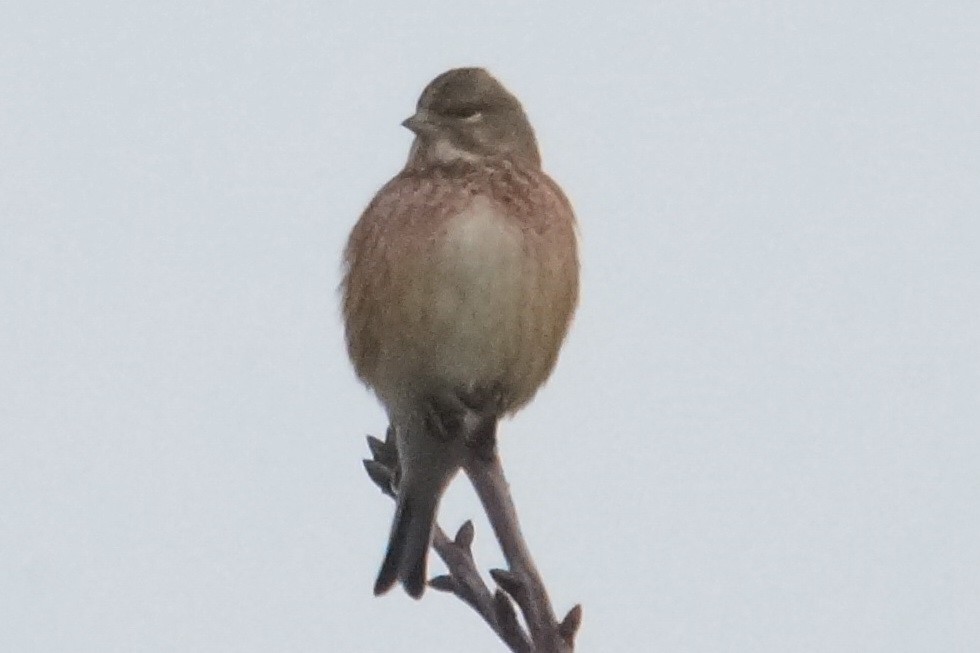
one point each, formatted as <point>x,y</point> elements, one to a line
<point>464,581</point>
<point>522,581</point>
<point>522,584</point>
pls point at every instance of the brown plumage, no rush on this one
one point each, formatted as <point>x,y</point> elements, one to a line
<point>461,281</point>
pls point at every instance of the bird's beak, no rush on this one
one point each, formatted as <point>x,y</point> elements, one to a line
<point>419,123</point>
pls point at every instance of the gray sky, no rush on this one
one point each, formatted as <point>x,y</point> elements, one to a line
<point>762,434</point>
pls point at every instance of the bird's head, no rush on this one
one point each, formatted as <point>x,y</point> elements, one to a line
<point>465,114</point>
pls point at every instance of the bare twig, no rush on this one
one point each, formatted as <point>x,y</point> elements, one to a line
<point>522,581</point>
<point>521,584</point>
<point>465,582</point>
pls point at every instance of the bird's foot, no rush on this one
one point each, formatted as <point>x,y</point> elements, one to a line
<point>484,400</point>
<point>471,414</point>
<point>485,405</point>
<point>444,416</point>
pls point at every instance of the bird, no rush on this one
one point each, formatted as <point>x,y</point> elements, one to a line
<point>460,282</point>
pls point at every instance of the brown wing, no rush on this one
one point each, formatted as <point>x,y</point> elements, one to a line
<point>552,272</point>
<point>382,250</point>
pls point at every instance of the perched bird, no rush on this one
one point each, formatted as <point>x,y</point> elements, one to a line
<point>460,281</point>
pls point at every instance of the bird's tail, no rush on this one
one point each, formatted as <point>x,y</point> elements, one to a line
<point>428,463</point>
<point>408,544</point>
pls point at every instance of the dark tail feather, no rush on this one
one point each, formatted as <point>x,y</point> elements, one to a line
<point>408,547</point>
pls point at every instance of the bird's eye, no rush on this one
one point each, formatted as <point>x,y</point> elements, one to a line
<point>464,113</point>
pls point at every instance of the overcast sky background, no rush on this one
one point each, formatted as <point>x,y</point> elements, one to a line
<point>763,433</point>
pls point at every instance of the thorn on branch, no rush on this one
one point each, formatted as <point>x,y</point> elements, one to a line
<point>568,627</point>
<point>510,583</point>
<point>381,475</point>
<point>444,583</point>
<point>464,536</point>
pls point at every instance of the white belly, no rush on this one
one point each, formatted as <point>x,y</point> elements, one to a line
<point>476,292</point>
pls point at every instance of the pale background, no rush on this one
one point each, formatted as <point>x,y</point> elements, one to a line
<point>762,434</point>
